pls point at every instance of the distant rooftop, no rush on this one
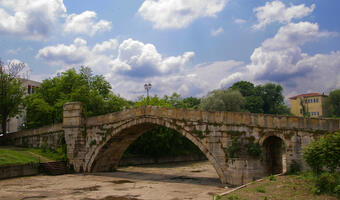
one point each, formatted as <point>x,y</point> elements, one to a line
<point>308,95</point>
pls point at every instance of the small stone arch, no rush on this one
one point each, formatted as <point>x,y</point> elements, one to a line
<point>106,156</point>
<point>274,153</point>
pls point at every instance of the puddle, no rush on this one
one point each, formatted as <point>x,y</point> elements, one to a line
<point>92,188</point>
<point>197,171</point>
<point>182,178</point>
<point>121,181</point>
<point>117,198</point>
<point>34,197</point>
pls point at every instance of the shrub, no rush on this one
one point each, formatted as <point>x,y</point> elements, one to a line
<point>324,153</point>
<point>218,197</point>
<point>328,183</point>
<point>233,197</point>
<point>272,178</point>
<point>260,189</point>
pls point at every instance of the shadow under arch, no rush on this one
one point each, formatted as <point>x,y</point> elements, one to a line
<point>107,155</point>
<point>274,154</point>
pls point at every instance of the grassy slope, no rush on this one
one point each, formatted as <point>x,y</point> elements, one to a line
<point>9,156</point>
<point>282,188</point>
<point>14,155</point>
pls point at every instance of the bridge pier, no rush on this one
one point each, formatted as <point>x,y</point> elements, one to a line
<point>73,125</point>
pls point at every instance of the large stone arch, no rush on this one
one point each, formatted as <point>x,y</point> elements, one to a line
<point>106,155</point>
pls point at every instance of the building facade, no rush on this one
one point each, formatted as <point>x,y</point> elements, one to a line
<point>14,123</point>
<point>310,104</point>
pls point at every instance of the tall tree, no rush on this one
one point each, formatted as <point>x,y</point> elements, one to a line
<point>253,101</point>
<point>11,92</point>
<point>92,90</point>
<point>273,99</point>
<point>223,100</point>
<point>332,103</point>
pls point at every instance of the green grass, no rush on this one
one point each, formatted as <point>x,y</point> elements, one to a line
<point>8,157</point>
<point>290,187</point>
<point>15,155</point>
<point>57,155</point>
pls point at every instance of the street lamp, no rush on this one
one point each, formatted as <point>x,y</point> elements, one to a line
<point>147,87</point>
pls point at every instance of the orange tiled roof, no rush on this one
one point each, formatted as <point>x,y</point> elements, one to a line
<point>307,95</point>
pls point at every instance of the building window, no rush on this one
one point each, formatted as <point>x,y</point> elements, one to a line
<point>29,89</point>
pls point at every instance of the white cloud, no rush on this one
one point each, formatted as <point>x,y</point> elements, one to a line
<point>216,32</point>
<point>137,59</point>
<point>85,23</point>
<point>276,11</point>
<point>191,81</point>
<point>32,19</point>
<point>281,60</point>
<point>239,21</point>
<point>76,53</point>
<point>178,13</point>
<point>109,45</point>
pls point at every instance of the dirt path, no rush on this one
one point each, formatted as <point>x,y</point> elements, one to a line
<point>197,181</point>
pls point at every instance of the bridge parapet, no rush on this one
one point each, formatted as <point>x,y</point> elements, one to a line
<point>228,118</point>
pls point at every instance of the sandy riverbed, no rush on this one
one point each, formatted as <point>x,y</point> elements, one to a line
<point>182,181</point>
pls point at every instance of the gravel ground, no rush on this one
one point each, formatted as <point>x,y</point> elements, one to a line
<point>194,180</point>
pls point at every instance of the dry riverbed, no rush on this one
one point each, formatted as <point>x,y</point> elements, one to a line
<point>196,180</point>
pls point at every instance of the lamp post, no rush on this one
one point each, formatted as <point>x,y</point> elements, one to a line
<point>147,87</point>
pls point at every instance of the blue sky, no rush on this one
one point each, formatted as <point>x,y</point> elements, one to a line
<point>184,46</point>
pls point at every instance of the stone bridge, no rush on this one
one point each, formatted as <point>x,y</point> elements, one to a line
<point>241,146</point>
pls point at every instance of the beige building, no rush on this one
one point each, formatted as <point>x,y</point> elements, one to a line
<point>14,123</point>
<point>311,103</point>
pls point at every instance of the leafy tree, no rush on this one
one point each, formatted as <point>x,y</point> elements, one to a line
<point>92,90</point>
<point>192,102</point>
<point>253,101</point>
<point>266,98</point>
<point>223,100</point>
<point>324,153</point>
<point>246,88</point>
<point>333,103</point>
<point>11,92</point>
<point>273,100</point>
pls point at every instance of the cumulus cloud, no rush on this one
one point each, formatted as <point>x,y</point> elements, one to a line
<point>76,53</point>
<point>191,81</point>
<point>276,11</point>
<point>32,19</point>
<point>178,13</point>
<point>85,23</point>
<point>137,59</point>
<point>109,45</point>
<point>281,60</point>
<point>216,32</point>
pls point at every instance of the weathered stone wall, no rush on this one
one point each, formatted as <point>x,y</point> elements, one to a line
<point>50,136</point>
<point>10,171</point>
<point>98,143</point>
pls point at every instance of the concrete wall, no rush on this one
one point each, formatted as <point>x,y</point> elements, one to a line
<point>10,171</point>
